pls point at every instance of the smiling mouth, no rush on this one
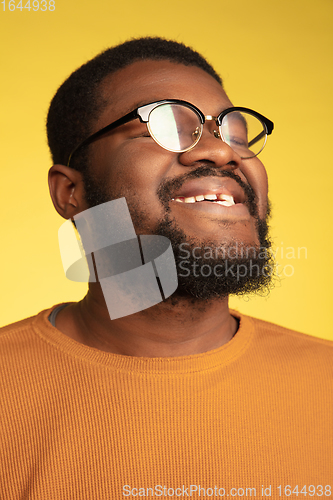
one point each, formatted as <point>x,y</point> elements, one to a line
<point>219,198</point>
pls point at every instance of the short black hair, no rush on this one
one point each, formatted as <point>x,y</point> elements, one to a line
<point>78,102</point>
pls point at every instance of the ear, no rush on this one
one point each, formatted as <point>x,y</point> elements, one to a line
<point>66,190</point>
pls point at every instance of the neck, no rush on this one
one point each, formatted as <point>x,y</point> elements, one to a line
<point>179,326</point>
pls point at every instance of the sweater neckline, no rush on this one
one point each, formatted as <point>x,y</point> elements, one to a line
<point>210,360</point>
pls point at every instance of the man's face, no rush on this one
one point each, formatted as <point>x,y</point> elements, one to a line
<point>156,183</point>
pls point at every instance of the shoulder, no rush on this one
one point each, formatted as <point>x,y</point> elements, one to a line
<point>267,328</point>
<point>22,325</point>
<point>283,344</point>
<point>16,334</point>
<point>24,332</point>
<point>293,336</point>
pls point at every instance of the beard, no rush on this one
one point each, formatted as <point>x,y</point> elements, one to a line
<point>207,270</point>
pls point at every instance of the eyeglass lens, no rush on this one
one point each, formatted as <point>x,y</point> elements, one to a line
<point>178,128</point>
<point>174,127</point>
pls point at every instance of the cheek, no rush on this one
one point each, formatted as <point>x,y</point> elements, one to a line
<point>256,176</point>
<point>134,170</point>
<point>263,200</point>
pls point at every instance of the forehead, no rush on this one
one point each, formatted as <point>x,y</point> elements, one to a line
<point>148,81</point>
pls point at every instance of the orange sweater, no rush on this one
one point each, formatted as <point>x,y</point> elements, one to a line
<point>250,418</point>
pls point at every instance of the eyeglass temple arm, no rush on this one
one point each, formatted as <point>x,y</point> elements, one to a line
<point>269,126</point>
<point>130,116</point>
<point>259,136</point>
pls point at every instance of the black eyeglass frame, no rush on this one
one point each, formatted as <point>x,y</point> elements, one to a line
<point>143,112</point>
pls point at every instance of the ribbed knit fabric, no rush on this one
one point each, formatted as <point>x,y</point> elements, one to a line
<point>79,423</point>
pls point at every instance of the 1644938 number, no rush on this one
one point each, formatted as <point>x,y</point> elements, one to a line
<point>311,490</point>
<point>28,5</point>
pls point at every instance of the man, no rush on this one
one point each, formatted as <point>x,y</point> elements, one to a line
<point>186,398</point>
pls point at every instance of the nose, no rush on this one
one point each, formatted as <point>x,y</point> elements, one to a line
<point>211,149</point>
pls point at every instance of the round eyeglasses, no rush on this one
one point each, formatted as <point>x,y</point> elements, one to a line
<point>177,126</point>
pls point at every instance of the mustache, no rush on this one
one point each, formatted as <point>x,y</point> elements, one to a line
<point>169,188</point>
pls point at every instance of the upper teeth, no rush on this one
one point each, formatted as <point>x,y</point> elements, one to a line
<point>222,199</point>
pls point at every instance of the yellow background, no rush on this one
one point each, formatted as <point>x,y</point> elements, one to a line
<point>274,57</point>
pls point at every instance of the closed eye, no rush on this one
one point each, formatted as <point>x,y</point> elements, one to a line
<point>237,141</point>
